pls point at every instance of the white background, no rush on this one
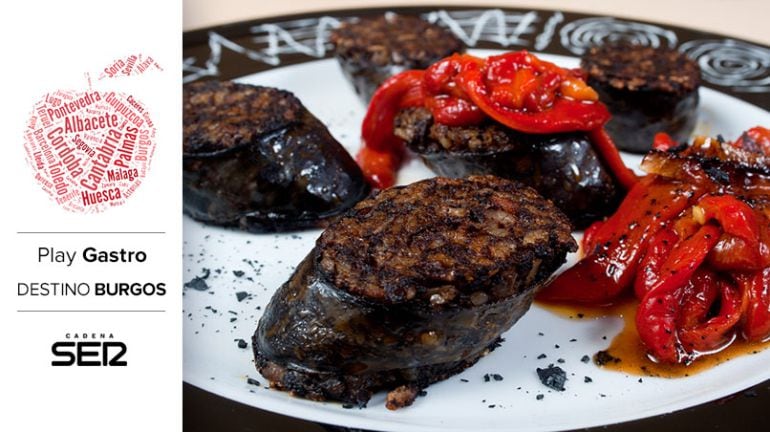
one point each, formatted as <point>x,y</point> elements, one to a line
<point>48,46</point>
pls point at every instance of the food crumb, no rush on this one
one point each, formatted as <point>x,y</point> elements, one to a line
<point>242,344</point>
<point>585,359</point>
<point>198,283</point>
<point>604,357</point>
<point>588,379</point>
<point>253,382</point>
<point>553,377</point>
<point>541,356</point>
<point>540,396</point>
<point>240,295</point>
<point>497,377</point>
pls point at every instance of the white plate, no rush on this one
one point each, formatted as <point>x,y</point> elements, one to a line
<point>215,318</point>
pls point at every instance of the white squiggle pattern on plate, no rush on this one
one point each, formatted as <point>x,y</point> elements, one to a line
<point>726,62</point>
<point>307,36</point>
<point>493,25</point>
<point>578,36</point>
<point>310,36</point>
<point>544,38</point>
<point>211,68</point>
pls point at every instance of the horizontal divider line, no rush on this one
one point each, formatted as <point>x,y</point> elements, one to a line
<point>93,310</point>
<point>90,232</point>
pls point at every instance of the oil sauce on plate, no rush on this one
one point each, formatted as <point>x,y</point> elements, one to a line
<point>627,354</point>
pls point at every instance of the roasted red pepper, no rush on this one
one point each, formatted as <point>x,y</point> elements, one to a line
<point>532,104</point>
<point>658,249</point>
<point>381,151</point>
<point>698,256</point>
<point>756,138</point>
<point>516,89</point>
<point>757,327</point>
<point>713,333</point>
<point>615,247</point>
<point>663,142</point>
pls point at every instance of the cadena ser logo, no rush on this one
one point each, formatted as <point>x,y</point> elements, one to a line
<point>89,349</point>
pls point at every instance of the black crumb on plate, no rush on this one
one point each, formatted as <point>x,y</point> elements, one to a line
<point>585,359</point>
<point>240,295</point>
<point>242,343</point>
<point>252,381</point>
<point>588,379</point>
<point>553,377</point>
<point>540,397</point>
<point>541,356</point>
<point>198,283</point>
<point>603,357</point>
<point>238,273</point>
<point>497,377</point>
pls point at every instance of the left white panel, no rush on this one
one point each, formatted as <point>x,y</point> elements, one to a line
<point>90,194</point>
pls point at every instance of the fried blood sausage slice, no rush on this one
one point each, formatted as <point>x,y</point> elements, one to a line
<point>255,158</point>
<point>408,288</point>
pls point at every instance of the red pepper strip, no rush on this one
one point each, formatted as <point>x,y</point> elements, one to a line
<point>380,167</point>
<point>663,142</point>
<point>658,311</point>
<point>755,139</point>
<point>565,115</point>
<point>452,111</point>
<point>616,246</point>
<point>698,297</point>
<point>448,103</point>
<point>607,150</point>
<point>589,237</point>
<point>648,203</point>
<point>381,152</point>
<point>737,219</point>
<point>656,324</point>
<point>757,324</point>
<point>685,257</point>
<point>658,249</point>
<point>716,331</point>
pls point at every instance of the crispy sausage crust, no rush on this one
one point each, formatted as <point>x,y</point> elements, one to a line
<point>370,50</point>
<point>445,240</point>
<point>647,90</point>
<point>641,68</point>
<point>225,115</point>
